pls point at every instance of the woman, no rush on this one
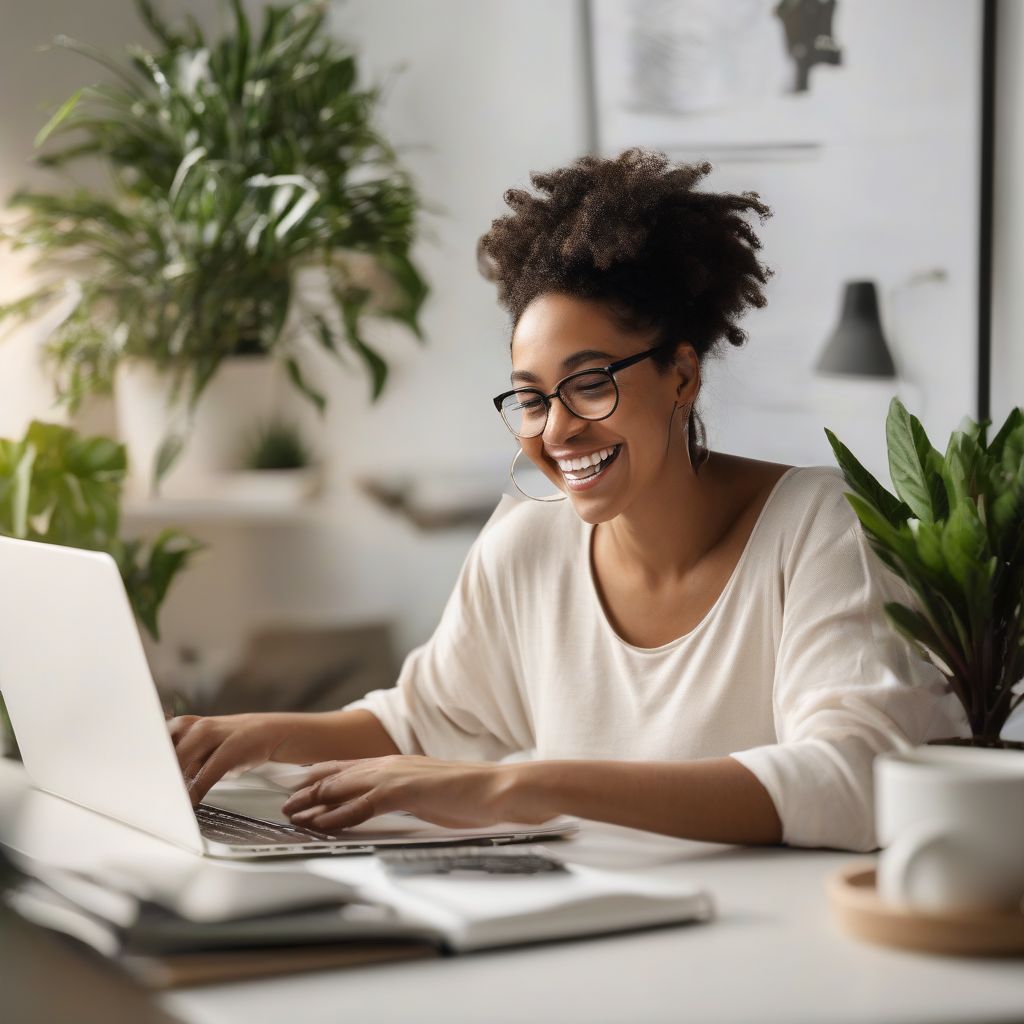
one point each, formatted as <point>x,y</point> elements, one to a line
<point>692,643</point>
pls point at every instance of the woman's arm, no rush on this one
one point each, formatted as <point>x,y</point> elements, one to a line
<point>326,734</point>
<point>714,799</point>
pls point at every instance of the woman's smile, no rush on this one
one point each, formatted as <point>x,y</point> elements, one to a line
<point>583,472</point>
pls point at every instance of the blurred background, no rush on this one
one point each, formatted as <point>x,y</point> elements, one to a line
<point>881,133</point>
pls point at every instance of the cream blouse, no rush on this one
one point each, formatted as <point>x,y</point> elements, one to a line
<point>794,672</point>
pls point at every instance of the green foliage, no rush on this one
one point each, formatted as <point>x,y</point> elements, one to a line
<point>954,531</point>
<point>59,488</point>
<point>234,164</point>
<point>278,445</point>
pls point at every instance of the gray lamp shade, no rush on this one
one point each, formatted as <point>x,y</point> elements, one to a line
<point>857,346</point>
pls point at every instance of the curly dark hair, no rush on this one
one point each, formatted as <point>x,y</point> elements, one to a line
<point>634,233</point>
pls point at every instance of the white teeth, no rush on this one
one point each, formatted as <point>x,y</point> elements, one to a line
<point>585,461</point>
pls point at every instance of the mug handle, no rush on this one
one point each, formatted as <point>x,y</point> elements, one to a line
<point>896,861</point>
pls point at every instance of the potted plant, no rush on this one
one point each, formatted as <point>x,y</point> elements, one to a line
<point>278,467</point>
<point>954,532</point>
<point>239,168</point>
<point>59,488</point>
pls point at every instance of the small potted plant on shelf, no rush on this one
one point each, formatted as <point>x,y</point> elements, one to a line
<point>954,532</point>
<point>278,467</point>
<point>59,488</point>
<point>253,210</point>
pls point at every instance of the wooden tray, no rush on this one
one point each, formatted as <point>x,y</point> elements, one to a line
<point>855,902</point>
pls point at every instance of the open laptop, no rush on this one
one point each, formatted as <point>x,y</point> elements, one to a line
<point>90,728</point>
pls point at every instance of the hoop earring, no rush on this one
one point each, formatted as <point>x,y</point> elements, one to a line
<point>515,483</point>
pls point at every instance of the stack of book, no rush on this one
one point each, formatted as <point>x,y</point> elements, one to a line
<point>231,921</point>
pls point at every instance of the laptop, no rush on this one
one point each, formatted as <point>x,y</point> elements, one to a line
<point>85,709</point>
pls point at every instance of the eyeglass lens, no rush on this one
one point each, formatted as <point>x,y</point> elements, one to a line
<point>590,396</point>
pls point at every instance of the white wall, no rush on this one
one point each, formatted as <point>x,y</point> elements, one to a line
<point>878,182</point>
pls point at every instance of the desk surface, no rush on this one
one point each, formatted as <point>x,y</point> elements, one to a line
<point>773,954</point>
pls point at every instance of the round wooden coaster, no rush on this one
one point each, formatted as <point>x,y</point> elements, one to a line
<point>855,902</point>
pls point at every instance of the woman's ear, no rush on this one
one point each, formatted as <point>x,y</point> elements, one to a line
<point>686,367</point>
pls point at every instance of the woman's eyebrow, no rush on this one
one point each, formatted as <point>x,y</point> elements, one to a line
<point>567,364</point>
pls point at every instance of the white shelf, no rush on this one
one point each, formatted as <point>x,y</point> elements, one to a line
<point>264,496</point>
<point>183,511</point>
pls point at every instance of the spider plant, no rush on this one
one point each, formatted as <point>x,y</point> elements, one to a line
<point>235,164</point>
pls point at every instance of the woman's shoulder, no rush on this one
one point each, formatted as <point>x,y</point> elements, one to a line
<point>794,505</point>
<point>810,509</point>
<point>813,487</point>
<point>788,492</point>
<point>521,530</point>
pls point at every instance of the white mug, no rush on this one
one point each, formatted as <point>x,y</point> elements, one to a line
<point>951,820</point>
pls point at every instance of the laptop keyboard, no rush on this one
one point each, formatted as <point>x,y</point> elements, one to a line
<point>241,830</point>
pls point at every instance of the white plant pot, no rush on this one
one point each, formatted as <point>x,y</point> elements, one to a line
<point>243,395</point>
<point>278,488</point>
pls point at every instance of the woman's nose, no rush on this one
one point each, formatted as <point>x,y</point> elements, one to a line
<point>561,424</point>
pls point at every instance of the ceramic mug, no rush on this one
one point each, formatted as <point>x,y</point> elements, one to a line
<point>951,821</point>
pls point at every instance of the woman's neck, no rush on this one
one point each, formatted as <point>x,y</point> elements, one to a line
<point>669,530</point>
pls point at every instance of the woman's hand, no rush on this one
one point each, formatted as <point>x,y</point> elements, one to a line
<point>455,794</point>
<point>208,748</point>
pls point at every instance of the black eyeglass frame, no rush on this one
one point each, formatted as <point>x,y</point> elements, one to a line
<point>611,369</point>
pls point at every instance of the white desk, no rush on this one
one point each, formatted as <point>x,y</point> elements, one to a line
<point>773,954</point>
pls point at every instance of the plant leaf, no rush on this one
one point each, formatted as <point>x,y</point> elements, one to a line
<point>351,303</point>
<point>22,491</point>
<point>167,454</point>
<point>412,290</point>
<point>864,484</point>
<point>964,542</point>
<point>1014,421</point>
<point>156,24</point>
<point>910,465</point>
<point>295,373</point>
<point>152,571</point>
<point>879,527</point>
<point>58,118</point>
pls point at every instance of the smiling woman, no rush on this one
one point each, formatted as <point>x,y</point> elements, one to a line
<point>691,643</point>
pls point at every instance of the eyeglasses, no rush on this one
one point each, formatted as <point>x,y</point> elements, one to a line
<point>591,394</point>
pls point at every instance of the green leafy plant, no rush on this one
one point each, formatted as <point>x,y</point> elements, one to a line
<point>278,445</point>
<point>235,165</point>
<point>954,531</point>
<point>59,488</point>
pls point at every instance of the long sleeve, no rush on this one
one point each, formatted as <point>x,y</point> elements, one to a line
<point>458,696</point>
<point>846,687</point>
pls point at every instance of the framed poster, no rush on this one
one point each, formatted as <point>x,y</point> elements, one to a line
<point>859,122</point>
